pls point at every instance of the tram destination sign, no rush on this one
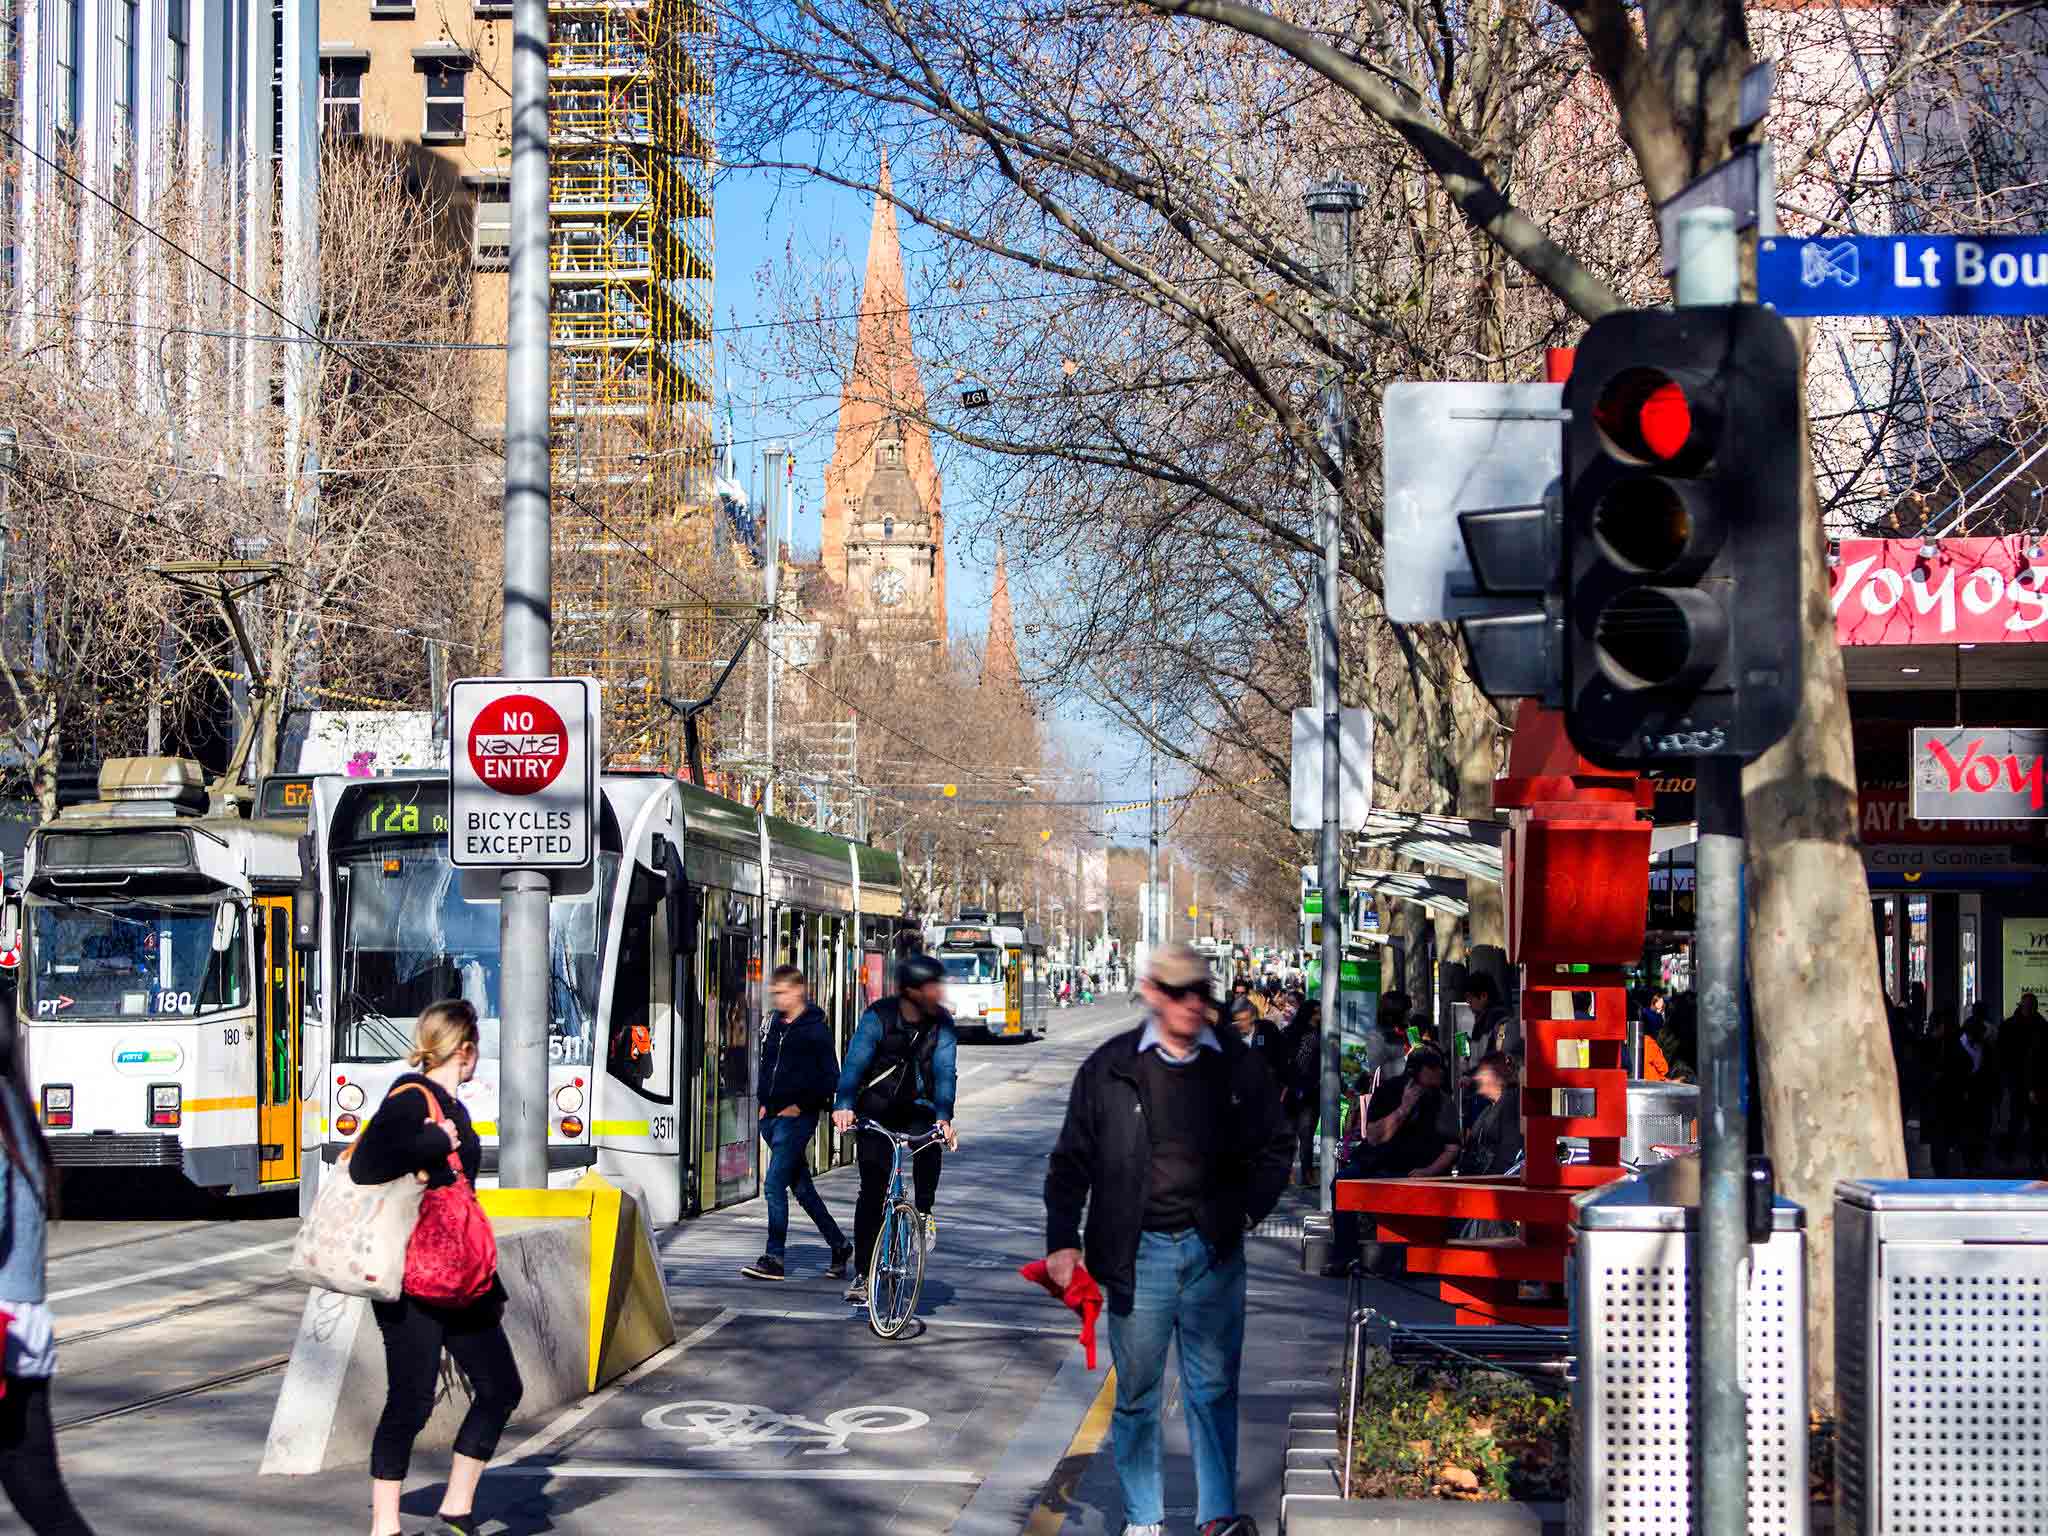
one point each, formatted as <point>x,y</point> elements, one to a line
<point>523,772</point>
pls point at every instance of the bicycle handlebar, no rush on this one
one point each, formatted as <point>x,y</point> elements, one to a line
<point>915,1144</point>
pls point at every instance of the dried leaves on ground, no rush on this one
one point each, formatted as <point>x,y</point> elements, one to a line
<point>1472,1435</point>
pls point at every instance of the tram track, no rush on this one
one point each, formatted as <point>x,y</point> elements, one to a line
<point>177,1394</point>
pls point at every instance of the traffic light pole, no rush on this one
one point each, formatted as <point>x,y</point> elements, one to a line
<point>1707,275</point>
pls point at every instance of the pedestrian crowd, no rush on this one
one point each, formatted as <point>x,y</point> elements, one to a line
<point>1975,1085</point>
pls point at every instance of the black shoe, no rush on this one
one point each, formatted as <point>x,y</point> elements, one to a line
<point>767,1267</point>
<point>1232,1525</point>
<point>842,1258</point>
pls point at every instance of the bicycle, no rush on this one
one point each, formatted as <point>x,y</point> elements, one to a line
<point>896,1271</point>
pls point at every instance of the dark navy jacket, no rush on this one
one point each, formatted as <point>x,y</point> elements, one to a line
<point>798,1064</point>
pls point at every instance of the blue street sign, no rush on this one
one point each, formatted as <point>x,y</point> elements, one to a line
<point>1905,275</point>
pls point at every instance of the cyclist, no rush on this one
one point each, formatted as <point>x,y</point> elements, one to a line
<point>899,1072</point>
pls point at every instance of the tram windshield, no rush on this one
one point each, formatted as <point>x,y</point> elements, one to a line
<point>409,939</point>
<point>135,959</point>
<point>972,964</point>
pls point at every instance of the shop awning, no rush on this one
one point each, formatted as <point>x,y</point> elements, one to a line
<point>1438,893</point>
<point>1471,848</point>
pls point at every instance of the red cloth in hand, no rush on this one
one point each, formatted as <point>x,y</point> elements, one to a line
<point>1082,1295</point>
<point>7,1321</point>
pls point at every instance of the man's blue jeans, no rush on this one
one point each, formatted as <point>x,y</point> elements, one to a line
<point>789,1138</point>
<point>1185,1297</point>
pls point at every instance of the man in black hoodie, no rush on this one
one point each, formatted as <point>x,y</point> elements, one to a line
<point>1175,1144</point>
<point>798,1072</point>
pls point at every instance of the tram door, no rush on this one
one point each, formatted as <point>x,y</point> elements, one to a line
<point>277,1042</point>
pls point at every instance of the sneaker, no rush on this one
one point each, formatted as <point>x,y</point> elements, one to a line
<point>1144,1530</point>
<point>931,1233</point>
<point>766,1267</point>
<point>857,1293</point>
<point>842,1260</point>
<point>1232,1525</point>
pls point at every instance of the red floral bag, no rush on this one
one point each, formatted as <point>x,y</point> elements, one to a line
<point>453,1255</point>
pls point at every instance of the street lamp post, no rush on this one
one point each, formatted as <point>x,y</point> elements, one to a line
<point>1331,205</point>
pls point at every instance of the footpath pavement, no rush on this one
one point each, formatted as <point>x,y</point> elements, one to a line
<point>778,1410</point>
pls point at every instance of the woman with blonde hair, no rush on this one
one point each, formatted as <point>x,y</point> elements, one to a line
<point>418,1124</point>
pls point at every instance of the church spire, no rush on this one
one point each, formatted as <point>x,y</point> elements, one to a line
<point>882,388</point>
<point>999,656</point>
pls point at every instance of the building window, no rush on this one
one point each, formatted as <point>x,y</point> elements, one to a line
<point>180,73</point>
<point>444,80</point>
<point>124,76</point>
<point>493,249</point>
<point>70,29</point>
<point>341,97</point>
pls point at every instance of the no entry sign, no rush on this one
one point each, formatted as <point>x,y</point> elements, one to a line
<point>524,772</point>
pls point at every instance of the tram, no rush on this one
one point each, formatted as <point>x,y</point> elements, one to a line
<point>997,978</point>
<point>656,994</point>
<point>159,992</point>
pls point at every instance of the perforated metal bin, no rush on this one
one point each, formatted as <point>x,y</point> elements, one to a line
<point>1634,1312</point>
<point>1941,1357</point>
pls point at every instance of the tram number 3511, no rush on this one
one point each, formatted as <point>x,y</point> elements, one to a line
<point>662,1127</point>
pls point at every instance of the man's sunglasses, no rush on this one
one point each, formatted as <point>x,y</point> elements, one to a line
<point>1180,994</point>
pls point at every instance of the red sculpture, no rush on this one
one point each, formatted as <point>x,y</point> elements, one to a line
<point>1575,885</point>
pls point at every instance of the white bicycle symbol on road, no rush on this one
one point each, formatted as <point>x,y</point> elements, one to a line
<point>747,1426</point>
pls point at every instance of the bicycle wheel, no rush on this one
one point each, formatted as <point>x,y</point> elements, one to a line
<point>896,1273</point>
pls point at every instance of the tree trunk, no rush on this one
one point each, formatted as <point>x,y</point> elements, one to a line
<point>1828,1086</point>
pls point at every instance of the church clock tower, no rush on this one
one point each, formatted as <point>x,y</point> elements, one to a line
<point>892,553</point>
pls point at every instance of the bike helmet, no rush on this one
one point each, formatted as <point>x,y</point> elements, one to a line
<point>916,971</point>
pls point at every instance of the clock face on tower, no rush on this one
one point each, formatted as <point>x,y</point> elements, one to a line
<point>889,588</point>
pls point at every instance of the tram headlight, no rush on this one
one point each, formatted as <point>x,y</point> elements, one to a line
<point>346,1125</point>
<point>348,1096</point>
<point>572,1126</point>
<point>569,1100</point>
<point>57,1106</point>
<point>166,1107</point>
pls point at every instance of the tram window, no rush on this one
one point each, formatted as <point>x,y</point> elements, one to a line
<point>972,965</point>
<point>637,1050</point>
<point>136,957</point>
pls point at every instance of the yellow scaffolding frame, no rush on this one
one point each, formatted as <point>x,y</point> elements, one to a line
<point>630,263</point>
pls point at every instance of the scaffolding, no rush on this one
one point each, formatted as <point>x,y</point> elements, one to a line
<point>630,268</point>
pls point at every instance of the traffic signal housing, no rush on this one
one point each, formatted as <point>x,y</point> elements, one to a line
<point>1681,535</point>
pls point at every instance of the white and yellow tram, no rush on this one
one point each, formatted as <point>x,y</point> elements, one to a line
<point>159,991</point>
<point>998,981</point>
<point>657,989</point>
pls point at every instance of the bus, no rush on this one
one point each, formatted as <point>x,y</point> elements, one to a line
<point>657,973</point>
<point>160,990</point>
<point>997,978</point>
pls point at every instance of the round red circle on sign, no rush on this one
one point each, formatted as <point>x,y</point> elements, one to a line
<point>518,744</point>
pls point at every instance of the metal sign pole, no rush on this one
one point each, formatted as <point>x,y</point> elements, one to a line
<point>1707,275</point>
<point>523,894</point>
<point>1330,206</point>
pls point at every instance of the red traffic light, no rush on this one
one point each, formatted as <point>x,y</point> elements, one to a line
<point>1644,415</point>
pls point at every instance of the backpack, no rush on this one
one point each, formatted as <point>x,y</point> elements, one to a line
<point>901,1068</point>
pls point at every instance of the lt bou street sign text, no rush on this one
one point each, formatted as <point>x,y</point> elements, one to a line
<point>1905,275</point>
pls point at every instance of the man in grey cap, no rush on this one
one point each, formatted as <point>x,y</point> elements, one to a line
<point>1175,1145</point>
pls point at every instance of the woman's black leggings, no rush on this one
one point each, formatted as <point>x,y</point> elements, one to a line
<point>28,1461</point>
<point>415,1332</point>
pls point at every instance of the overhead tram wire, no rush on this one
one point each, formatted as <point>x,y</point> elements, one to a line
<point>495,450</point>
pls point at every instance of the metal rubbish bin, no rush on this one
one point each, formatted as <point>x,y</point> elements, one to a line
<point>1661,1114</point>
<point>1633,1306</point>
<point>1941,1356</point>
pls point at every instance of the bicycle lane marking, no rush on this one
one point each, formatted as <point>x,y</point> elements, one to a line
<point>728,1414</point>
<point>566,1422</point>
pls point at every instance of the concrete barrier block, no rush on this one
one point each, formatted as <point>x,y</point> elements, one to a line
<point>585,1303</point>
<point>333,1389</point>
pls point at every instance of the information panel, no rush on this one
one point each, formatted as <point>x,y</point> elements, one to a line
<point>523,766</point>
